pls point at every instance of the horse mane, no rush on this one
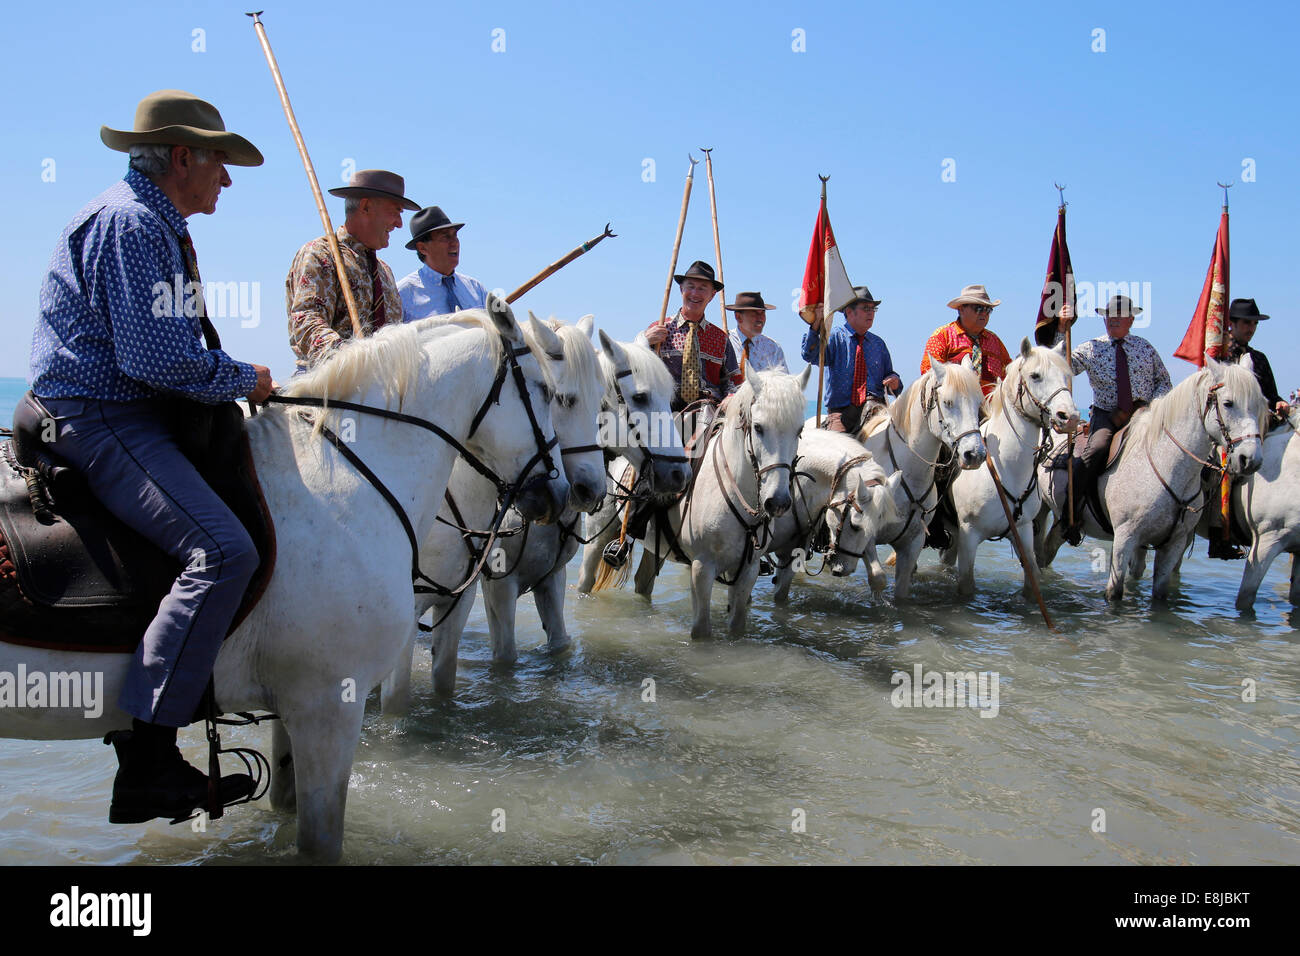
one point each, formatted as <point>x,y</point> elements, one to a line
<point>1193,391</point>
<point>646,367</point>
<point>958,378</point>
<point>390,359</point>
<point>781,397</point>
<point>1016,371</point>
<point>580,364</point>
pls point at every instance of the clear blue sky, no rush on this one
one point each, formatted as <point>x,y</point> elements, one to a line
<point>536,147</point>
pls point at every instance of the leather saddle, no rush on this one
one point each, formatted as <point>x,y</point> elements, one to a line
<point>73,577</point>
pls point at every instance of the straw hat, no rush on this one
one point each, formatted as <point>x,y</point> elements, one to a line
<point>177,118</point>
<point>973,295</point>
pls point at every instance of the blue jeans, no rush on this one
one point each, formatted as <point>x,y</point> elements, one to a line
<point>135,469</point>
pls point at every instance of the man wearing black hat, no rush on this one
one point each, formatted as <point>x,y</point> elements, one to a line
<point>318,312</point>
<point>1244,317</point>
<point>858,363</point>
<point>111,359</point>
<point>698,354</point>
<point>755,350</point>
<point>436,288</point>
<point>1126,373</point>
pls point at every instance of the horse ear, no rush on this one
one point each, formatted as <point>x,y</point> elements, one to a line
<point>755,382</point>
<point>1215,367</point>
<point>894,481</point>
<point>1059,349</point>
<point>803,378</point>
<point>1247,363</point>
<point>1026,347</point>
<point>939,369</point>
<point>504,319</point>
<point>617,354</point>
<point>855,485</point>
<point>968,362</point>
<point>546,338</point>
<point>586,324</point>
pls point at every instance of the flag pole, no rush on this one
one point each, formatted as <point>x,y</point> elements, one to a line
<point>677,243</point>
<point>822,335</point>
<point>1068,279</point>
<point>717,245</point>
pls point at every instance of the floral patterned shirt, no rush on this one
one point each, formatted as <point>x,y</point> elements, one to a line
<point>1148,378</point>
<point>952,343</point>
<point>318,313</point>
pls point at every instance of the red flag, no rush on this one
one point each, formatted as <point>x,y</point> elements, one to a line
<point>1208,332</point>
<point>824,278</point>
<point>1058,287</point>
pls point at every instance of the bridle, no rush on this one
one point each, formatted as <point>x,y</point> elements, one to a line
<point>840,508</point>
<point>932,403</point>
<point>648,455</point>
<point>507,491</point>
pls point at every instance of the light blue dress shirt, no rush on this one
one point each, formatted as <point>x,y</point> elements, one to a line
<point>424,294</point>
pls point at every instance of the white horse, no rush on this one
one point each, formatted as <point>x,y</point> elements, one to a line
<point>640,428</point>
<point>1151,493</point>
<point>1033,398</point>
<point>838,483</point>
<point>525,556</point>
<point>714,527</point>
<point>337,609</point>
<point>939,408</point>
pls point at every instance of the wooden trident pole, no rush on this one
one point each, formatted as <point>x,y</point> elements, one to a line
<point>717,245</point>
<point>311,175</point>
<point>821,345</point>
<point>677,243</point>
<point>559,264</point>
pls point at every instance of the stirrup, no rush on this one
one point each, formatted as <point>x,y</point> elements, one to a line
<point>616,553</point>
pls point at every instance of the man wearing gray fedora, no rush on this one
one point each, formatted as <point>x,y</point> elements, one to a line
<point>110,358</point>
<point>318,312</point>
<point>436,288</point>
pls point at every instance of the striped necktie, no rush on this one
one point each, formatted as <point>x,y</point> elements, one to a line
<point>378,312</point>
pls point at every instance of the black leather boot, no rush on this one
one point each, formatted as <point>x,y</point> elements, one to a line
<point>153,780</point>
<point>1224,550</point>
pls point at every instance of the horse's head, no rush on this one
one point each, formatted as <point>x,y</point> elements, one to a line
<point>950,398</point>
<point>575,406</point>
<point>636,413</point>
<point>515,434</point>
<point>854,517</point>
<point>1235,414</point>
<point>768,410</point>
<point>1037,385</point>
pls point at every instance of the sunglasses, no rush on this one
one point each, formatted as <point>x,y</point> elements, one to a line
<point>980,309</point>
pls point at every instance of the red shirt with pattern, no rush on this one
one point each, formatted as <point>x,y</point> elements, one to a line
<point>952,343</point>
<point>718,363</point>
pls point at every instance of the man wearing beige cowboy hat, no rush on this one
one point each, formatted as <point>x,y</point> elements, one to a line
<point>318,312</point>
<point>754,349</point>
<point>1126,373</point>
<point>110,358</point>
<point>697,354</point>
<point>858,362</point>
<point>969,335</point>
<point>436,288</point>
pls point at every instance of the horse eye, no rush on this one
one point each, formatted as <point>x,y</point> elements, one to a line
<point>1035,376</point>
<point>1228,403</point>
<point>758,429</point>
<point>547,393</point>
<point>949,403</point>
<point>568,401</point>
<point>639,398</point>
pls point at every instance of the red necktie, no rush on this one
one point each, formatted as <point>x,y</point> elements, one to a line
<point>1123,387</point>
<point>859,374</point>
<point>377,311</point>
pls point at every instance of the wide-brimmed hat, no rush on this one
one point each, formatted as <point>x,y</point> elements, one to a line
<point>427,220</point>
<point>973,295</point>
<point>1120,305</point>
<point>1244,309</point>
<point>177,118</point>
<point>860,294</point>
<point>379,183</point>
<point>749,300</point>
<point>700,270</point>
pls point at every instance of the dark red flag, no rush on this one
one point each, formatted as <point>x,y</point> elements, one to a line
<point>1058,287</point>
<point>1208,332</point>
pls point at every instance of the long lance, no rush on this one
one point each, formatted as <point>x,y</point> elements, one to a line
<point>677,244</point>
<point>559,264</point>
<point>311,175</point>
<point>1031,573</point>
<point>717,244</point>
<point>821,345</point>
<point>1067,294</point>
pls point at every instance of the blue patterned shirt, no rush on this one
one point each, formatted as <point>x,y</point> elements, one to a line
<point>841,352</point>
<point>110,326</point>
<point>424,294</point>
